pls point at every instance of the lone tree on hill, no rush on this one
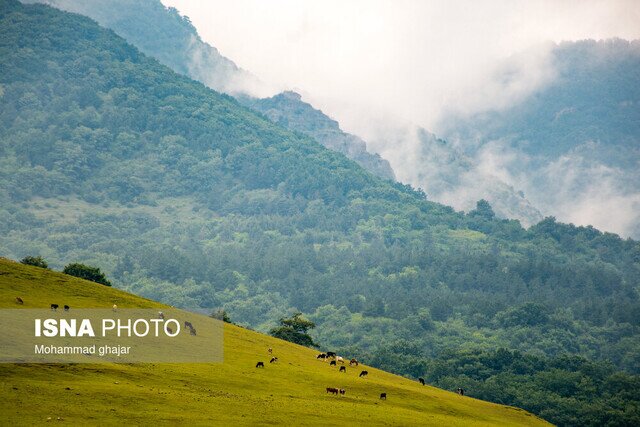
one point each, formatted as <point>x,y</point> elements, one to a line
<point>88,273</point>
<point>294,329</point>
<point>36,261</point>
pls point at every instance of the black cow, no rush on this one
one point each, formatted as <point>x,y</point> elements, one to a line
<point>170,330</point>
<point>342,391</point>
<point>421,380</point>
<point>333,390</point>
<point>188,325</point>
<point>460,391</point>
<point>19,300</point>
<point>332,363</point>
<point>54,307</point>
<point>383,396</point>
<point>363,373</point>
<point>321,356</point>
<point>192,331</point>
<point>273,360</point>
<point>343,369</point>
<point>66,308</point>
<point>260,365</point>
<point>331,354</point>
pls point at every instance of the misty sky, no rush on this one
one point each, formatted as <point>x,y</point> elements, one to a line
<point>407,59</point>
<point>381,67</point>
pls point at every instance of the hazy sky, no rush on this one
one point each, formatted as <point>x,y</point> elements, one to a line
<point>381,68</point>
<point>408,59</point>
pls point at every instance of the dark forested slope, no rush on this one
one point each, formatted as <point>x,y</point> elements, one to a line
<point>181,194</point>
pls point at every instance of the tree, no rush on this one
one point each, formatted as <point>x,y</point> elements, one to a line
<point>483,209</point>
<point>86,272</point>
<point>294,329</point>
<point>221,314</point>
<point>36,261</point>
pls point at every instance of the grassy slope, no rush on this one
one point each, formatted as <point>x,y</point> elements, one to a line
<point>291,392</point>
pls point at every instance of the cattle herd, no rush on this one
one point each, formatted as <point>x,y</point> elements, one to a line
<point>329,356</point>
<point>334,360</point>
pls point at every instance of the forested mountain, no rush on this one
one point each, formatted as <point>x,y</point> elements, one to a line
<point>575,141</point>
<point>161,32</point>
<point>170,38</point>
<point>289,111</point>
<point>182,194</point>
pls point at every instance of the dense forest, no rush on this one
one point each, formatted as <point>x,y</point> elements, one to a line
<point>181,194</point>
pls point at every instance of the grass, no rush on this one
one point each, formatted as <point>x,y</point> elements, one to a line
<point>291,392</point>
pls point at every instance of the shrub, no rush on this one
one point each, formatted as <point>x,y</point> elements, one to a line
<point>36,261</point>
<point>86,272</point>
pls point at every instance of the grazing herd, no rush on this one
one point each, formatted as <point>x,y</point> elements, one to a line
<point>334,359</point>
<point>54,307</point>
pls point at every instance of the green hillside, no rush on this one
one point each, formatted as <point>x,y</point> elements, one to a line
<point>289,392</point>
<point>183,196</point>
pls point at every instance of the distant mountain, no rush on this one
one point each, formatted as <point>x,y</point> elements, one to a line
<point>163,33</point>
<point>288,110</point>
<point>573,145</point>
<point>167,36</point>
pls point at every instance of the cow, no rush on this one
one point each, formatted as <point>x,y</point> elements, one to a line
<point>19,301</point>
<point>342,391</point>
<point>54,307</point>
<point>188,325</point>
<point>353,362</point>
<point>160,315</point>
<point>321,356</point>
<point>260,365</point>
<point>340,359</point>
<point>270,350</point>
<point>383,396</point>
<point>331,354</point>
<point>66,307</point>
<point>273,360</point>
<point>363,374</point>
<point>114,308</point>
<point>421,380</point>
<point>170,330</point>
<point>343,369</point>
<point>192,331</point>
<point>332,363</point>
<point>460,391</point>
<point>333,390</point>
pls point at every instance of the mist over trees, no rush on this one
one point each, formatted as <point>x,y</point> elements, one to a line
<point>181,194</point>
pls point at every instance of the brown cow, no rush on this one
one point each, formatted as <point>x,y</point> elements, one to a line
<point>19,300</point>
<point>353,362</point>
<point>332,390</point>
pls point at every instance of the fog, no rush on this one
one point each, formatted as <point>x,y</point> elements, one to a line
<point>385,68</point>
<point>412,60</point>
